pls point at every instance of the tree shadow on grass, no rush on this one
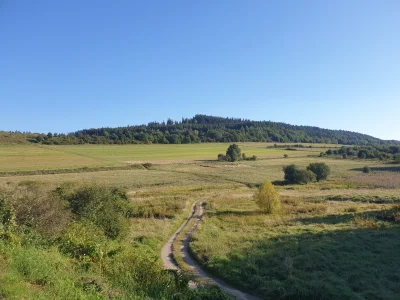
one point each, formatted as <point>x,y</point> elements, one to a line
<point>341,264</point>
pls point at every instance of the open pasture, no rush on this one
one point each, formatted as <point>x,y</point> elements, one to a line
<point>37,157</point>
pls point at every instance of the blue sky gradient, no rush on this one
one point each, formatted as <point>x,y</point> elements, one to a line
<point>69,65</point>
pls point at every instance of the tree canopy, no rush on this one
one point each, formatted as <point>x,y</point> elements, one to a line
<point>203,128</point>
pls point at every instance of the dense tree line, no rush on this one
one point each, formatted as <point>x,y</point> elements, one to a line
<point>391,152</point>
<point>202,128</point>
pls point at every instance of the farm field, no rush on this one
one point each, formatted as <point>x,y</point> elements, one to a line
<point>334,239</point>
<point>39,157</point>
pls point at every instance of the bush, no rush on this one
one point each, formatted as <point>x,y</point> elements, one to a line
<point>321,170</point>
<point>39,209</point>
<point>305,176</point>
<point>285,156</point>
<point>267,199</point>
<point>106,207</point>
<point>344,155</point>
<point>396,158</point>
<point>366,169</point>
<point>295,175</point>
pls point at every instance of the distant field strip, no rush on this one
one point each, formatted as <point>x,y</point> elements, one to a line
<point>35,157</point>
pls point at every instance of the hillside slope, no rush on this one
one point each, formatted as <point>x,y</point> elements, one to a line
<point>203,128</point>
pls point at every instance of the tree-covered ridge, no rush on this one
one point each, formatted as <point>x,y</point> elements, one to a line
<point>203,128</point>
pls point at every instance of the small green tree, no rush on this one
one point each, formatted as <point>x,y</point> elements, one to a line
<point>305,176</point>
<point>291,173</point>
<point>234,152</point>
<point>321,170</point>
<point>396,158</point>
<point>267,199</point>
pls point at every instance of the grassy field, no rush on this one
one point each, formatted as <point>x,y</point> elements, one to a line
<point>36,157</point>
<point>337,239</point>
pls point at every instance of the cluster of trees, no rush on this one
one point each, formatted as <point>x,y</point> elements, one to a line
<point>234,153</point>
<point>314,171</point>
<point>389,152</point>
<point>203,128</point>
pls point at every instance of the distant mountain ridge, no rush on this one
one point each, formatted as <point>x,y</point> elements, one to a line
<point>204,128</point>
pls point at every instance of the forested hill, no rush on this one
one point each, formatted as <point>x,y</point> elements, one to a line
<point>202,128</point>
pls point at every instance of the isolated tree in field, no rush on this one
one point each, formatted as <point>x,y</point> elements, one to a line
<point>321,170</point>
<point>234,152</point>
<point>267,199</point>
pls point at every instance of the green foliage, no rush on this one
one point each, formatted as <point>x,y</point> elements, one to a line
<point>305,176</point>
<point>366,169</point>
<point>202,128</point>
<point>107,208</point>
<point>83,241</point>
<point>344,155</point>
<point>267,199</point>
<point>321,170</point>
<point>7,219</point>
<point>285,156</point>
<point>396,158</point>
<point>233,152</point>
<point>295,175</point>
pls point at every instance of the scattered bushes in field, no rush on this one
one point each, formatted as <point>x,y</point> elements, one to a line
<point>315,171</point>
<point>267,199</point>
<point>321,170</point>
<point>298,176</point>
<point>233,153</point>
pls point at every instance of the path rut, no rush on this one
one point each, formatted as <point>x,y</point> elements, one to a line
<point>170,263</point>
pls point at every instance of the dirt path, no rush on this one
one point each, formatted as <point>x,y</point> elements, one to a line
<point>170,263</point>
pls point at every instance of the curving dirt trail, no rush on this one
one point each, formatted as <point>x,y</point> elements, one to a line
<point>170,263</point>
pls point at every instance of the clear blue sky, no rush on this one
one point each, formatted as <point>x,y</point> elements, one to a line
<point>69,65</point>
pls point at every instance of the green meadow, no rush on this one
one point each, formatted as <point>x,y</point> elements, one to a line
<point>98,233</point>
<point>37,157</point>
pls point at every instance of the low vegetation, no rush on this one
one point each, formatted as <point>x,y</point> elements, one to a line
<point>97,232</point>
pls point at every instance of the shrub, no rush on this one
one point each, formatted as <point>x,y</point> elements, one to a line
<point>39,209</point>
<point>305,176</point>
<point>83,241</point>
<point>344,155</point>
<point>366,169</point>
<point>267,198</point>
<point>285,155</point>
<point>105,207</point>
<point>295,175</point>
<point>396,158</point>
<point>7,218</point>
<point>321,170</point>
